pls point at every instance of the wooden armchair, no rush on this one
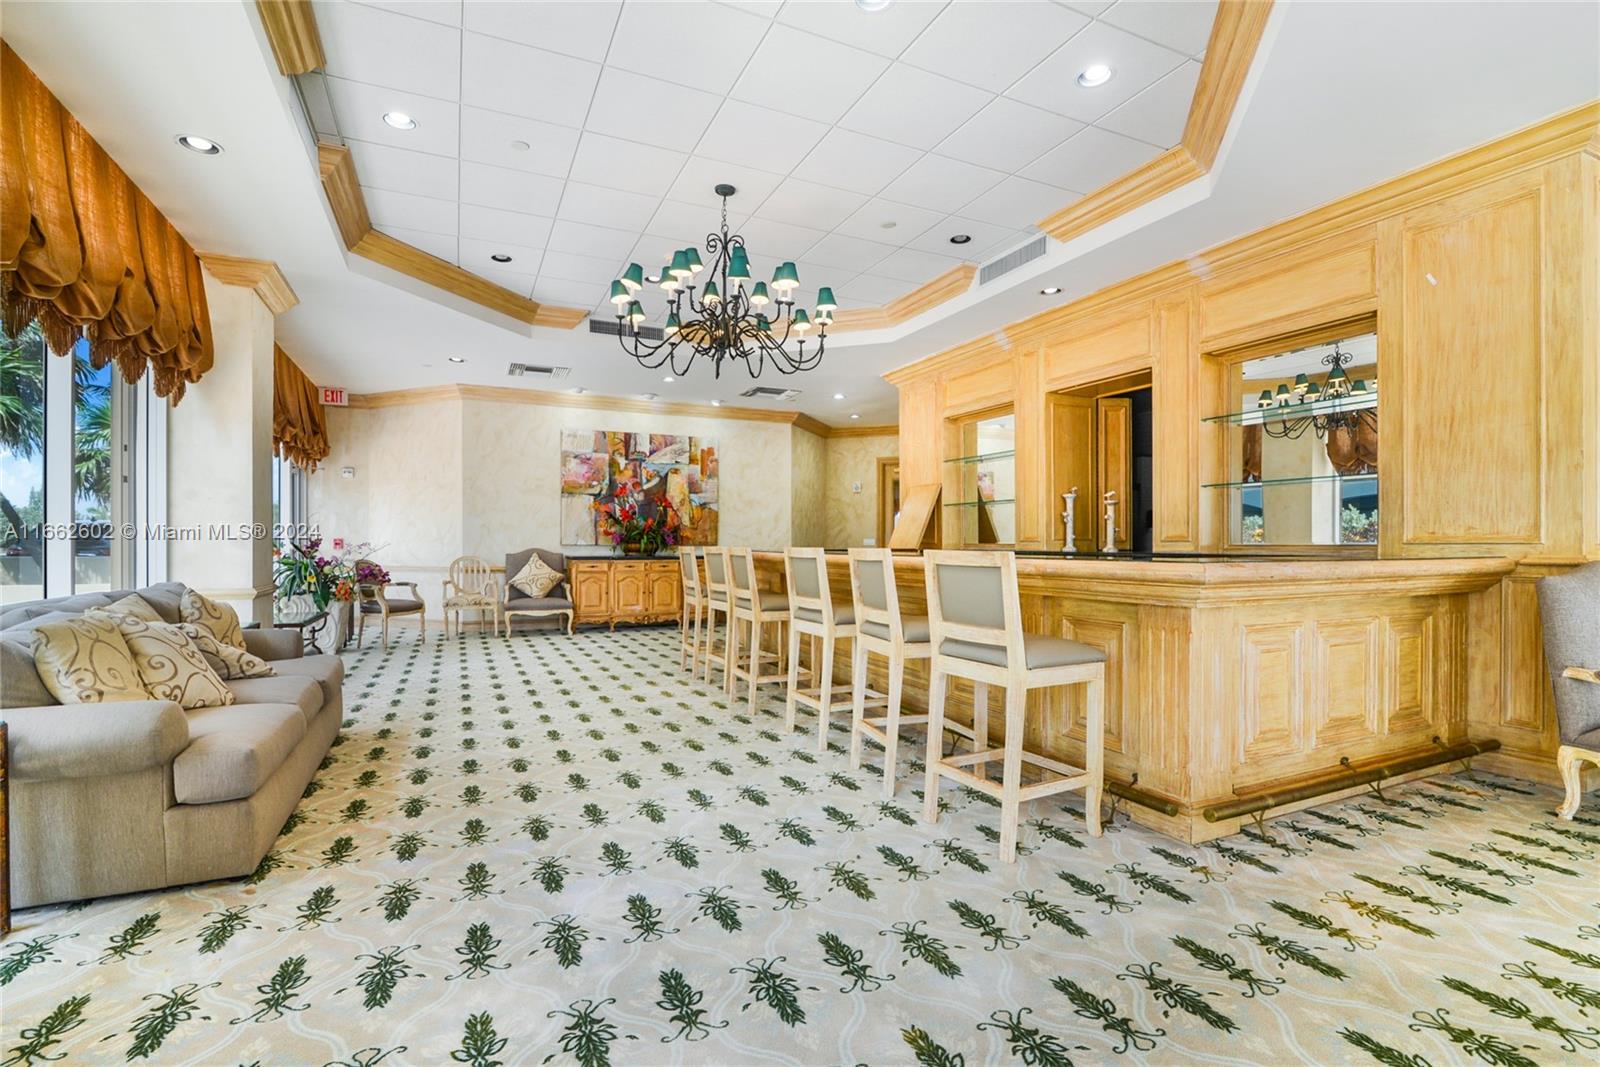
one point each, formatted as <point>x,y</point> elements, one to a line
<point>471,586</point>
<point>373,599</point>
<point>1569,610</point>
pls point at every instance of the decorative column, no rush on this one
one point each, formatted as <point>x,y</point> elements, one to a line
<point>219,465</point>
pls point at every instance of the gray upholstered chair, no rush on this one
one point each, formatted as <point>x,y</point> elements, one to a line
<point>373,599</point>
<point>1569,610</point>
<point>553,605</point>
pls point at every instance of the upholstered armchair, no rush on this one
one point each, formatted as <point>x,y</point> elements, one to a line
<point>556,602</point>
<point>1569,609</point>
<point>471,586</point>
<point>373,600</point>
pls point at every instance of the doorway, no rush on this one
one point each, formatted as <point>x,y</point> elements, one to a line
<point>888,498</point>
<point>1102,450</point>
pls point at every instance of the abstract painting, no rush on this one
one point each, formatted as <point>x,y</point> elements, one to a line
<point>674,470</point>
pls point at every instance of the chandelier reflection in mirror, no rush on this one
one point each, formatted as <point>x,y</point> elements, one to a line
<point>1338,404</point>
<point>730,319</point>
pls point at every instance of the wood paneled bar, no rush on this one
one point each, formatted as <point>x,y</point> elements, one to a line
<point>1234,679</point>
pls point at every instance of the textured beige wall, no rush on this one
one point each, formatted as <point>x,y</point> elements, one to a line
<point>807,489</point>
<point>850,517</point>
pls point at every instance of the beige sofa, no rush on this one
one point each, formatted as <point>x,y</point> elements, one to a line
<point>114,798</point>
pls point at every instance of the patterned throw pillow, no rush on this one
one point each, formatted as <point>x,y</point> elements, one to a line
<point>134,606</point>
<point>84,660</point>
<point>537,578</point>
<point>170,665</point>
<point>229,662</point>
<point>219,619</point>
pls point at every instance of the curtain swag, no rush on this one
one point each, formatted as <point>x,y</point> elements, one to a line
<point>299,430</point>
<point>85,253</point>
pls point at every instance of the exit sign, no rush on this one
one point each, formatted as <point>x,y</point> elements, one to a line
<point>335,397</point>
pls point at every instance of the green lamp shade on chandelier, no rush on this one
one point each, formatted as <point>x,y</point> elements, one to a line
<point>673,325</point>
<point>619,294</point>
<point>758,295</point>
<point>825,300</point>
<point>801,321</point>
<point>635,313</point>
<point>679,267</point>
<point>786,278</point>
<point>711,295</point>
<point>633,277</point>
<point>693,256</point>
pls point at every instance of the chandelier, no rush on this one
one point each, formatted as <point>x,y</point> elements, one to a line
<point>1338,404</point>
<point>730,319</point>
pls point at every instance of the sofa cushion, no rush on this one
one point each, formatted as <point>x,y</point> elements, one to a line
<point>234,750</point>
<point>227,661</point>
<point>220,619</point>
<point>134,606</point>
<point>166,598</point>
<point>170,666</point>
<point>84,660</point>
<point>326,671</point>
<point>20,684</point>
<point>303,693</point>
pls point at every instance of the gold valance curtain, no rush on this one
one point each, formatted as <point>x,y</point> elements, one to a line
<point>85,253</point>
<point>299,431</point>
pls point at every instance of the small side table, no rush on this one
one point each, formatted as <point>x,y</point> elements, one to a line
<point>308,620</point>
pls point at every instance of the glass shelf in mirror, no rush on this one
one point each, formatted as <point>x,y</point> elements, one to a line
<point>1308,479</point>
<point>1280,413</point>
<point>977,503</point>
<point>983,457</point>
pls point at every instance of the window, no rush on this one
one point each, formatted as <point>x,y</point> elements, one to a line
<point>82,474</point>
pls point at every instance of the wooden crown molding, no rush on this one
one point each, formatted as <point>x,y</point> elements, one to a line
<point>1569,132</point>
<point>947,286</point>
<point>862,431</point>
<point>342,187</point>
<point>261,275</point>
<point>291,28</point>
<point>1235,34</point>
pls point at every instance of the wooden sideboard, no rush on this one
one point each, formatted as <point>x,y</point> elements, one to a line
<point>625,590</point>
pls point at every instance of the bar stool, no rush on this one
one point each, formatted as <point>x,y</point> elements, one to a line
<point>881,629</point>
<point>756,609</point>
<point>975,626</point>
<point>693,610</point>
<point>813,612</point>
<point>718,600</point>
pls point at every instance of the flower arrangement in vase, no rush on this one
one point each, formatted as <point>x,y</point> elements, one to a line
<point>624,521</point>
<point>300,570</point>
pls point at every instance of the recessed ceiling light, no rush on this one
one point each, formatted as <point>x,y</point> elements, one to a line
<point>520,146</point>
<point>457,359</point>
<point>1050,290</point>
<point>647,396</point>
<point>838,396</point>
<point>399,120</point>
<point>579,390</point>
<point>1094,75</point>
<point>891,224</point>
<point>204,145</point>
<point>652,278</point>
<point>716,403</point>
<point>872,5</point>
<point>855,415</point>
<point>669,378</point>
<point>500,257</point>
<point>960,238</point>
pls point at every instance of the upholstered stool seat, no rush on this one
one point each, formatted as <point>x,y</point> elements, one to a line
<point>1037,649</point>
<point>843,614</point>
<point>718,601</point>
<point>914,628</point>
<point>881,630</point>
<point>770,600</point>
<point>815,614</point>
<point>757,611</point>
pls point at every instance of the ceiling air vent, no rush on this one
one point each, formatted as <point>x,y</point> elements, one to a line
<point>1012,260</point>
<point>767,392</point>
<point>528,370</point>
<point>612,328</point>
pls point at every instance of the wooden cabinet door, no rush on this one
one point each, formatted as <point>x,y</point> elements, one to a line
<point>630,589</point>
<point>1115,467</point>
<point>591,589</point>
<point>666,590</point>
<point>1072,453</point>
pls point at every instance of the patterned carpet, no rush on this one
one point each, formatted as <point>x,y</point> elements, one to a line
<point>556,849</point>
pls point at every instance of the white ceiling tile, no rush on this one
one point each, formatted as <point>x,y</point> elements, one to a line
<point>361,107</point>
<point>581,29</point>
<point>1089,159</point>
<point>856,162</point>
<point>886,32</point>
<point>442,245</point>
<point>567,294</point>
<point>914,107</point>
<point>519,80</point>
<point>940,183</point>
<point>650,110</point>
<point>870,221</point>
<point>496,224</point>
<point>1007,135</point>
<point>1018,202</point>
<point>1136,65</point>
<point>1092,8</point>
<point>510,190</point>
<point>1159,113</point>
<point>368,44</point>
<point>606,207</point>
<point>992,43</point>
<point>701,45</point>
<point>759,137</point>
<point>803,203</point>
<point>447,12</point>
<point>699,178</point>
<point>985,235</point>
<point>910,265</point>
<point>492,137</point>
<point>784,75</point>
<point>521,284</point>
<point>872,290</point>
<point>619,164</point>
<point>654,251</point>
<point>674,216</point>
<point>411,212</point>
<point>398,170</point>
<point>765,8</point>
<point>841,253</point>
<point>580,237</point>
<point>1182,25</point>
<point>572,267</point>
<point>1002,245</point>
<point>778,241</point>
